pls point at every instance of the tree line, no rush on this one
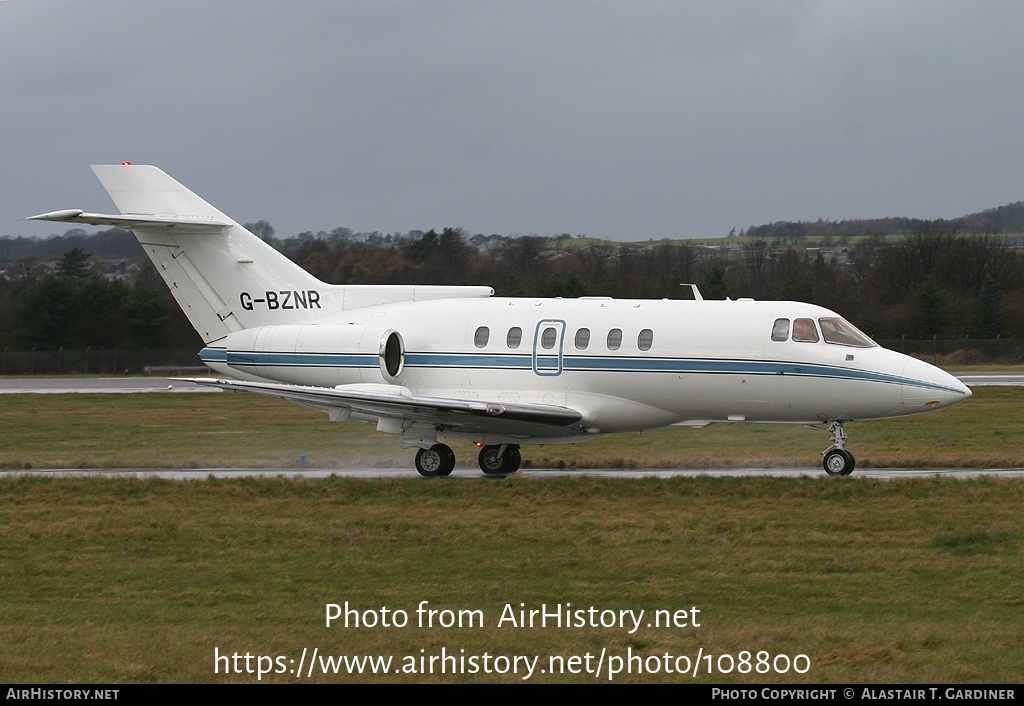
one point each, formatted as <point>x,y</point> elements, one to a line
<point>77,306</point>
<point>936,281</point>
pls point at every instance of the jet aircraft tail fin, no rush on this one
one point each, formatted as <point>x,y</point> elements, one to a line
<point>223,277</point>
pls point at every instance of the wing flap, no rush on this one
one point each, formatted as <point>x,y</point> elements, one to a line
<point>467,415</point>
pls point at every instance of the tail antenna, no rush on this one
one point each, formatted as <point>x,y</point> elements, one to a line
<point>696,292</point>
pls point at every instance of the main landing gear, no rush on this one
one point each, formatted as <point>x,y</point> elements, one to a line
<point>435,462</point>
<point>837,460</point>
<point>500,460</point>
<point>495,460</point>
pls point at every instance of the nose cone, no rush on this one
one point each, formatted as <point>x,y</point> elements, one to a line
<point>926,388</point>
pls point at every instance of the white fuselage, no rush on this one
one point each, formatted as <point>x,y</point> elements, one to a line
<point>626,365</point>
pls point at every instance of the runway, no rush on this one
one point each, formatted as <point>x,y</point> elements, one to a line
<point>535,473</point>
<point>984,379</point>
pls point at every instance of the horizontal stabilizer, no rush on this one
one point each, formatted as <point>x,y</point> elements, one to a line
<point>74,215</point>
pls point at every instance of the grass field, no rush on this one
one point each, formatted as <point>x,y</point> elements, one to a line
<point>228,430</point>
<point>127,580</point>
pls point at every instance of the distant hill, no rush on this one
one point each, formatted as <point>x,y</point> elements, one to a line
<point>116,243</point>
<point>1001,220</point>
<point>1004,219</point>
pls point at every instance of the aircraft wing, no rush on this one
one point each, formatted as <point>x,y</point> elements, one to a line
<point>74,215</point>
<point>398,402</point>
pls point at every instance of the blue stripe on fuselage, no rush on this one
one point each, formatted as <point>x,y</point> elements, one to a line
<point>570,363</point>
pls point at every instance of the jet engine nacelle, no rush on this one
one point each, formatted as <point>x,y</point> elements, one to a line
<point>326,355</point>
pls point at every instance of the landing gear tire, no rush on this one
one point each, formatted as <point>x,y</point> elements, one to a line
<point>435,462</point>
<point>839,462</point>
<point>515,459</point>
<point>500,460</point>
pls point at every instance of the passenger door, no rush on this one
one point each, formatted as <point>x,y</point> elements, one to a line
<point>547,347</point>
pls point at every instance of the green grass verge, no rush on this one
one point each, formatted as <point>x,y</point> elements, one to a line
<point>224,430</point>
<point>125,580</point>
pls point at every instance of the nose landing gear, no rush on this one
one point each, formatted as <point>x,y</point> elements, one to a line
<point>837,460</point>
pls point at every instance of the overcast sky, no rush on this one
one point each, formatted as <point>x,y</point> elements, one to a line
<point>629,120</point>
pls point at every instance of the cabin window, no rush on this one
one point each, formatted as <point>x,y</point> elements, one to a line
<point>515,337</point>
<point>582,338</point>
<point>645,340</point>
<point>804,331</point>
<point>780,331</point>
<point>547,338</point>
<point>843,333</point>
<point>614,339</point>
<point>482,334</point>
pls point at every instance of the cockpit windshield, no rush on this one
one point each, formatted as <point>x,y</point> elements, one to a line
<point>843,333</point>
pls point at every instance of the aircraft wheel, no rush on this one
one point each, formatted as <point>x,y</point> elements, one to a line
<point>435,462</point>
<point>852,465</point>
<point>449,455</point>
<point>494,463</point>
<point>515,458</point>
<point>839,462</point>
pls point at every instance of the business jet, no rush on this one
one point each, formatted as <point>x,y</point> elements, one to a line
<point>435,363</point>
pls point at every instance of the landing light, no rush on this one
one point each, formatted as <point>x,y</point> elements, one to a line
<point>933,403</point>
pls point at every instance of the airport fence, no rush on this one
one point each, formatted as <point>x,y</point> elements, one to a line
<point>179,361</point>
<point>960,351</point>
<point>157,362</point>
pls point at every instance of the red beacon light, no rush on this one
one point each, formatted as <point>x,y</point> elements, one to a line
<point>126,164</point>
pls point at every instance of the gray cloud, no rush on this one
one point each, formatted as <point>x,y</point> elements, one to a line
<point>626,120</point>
